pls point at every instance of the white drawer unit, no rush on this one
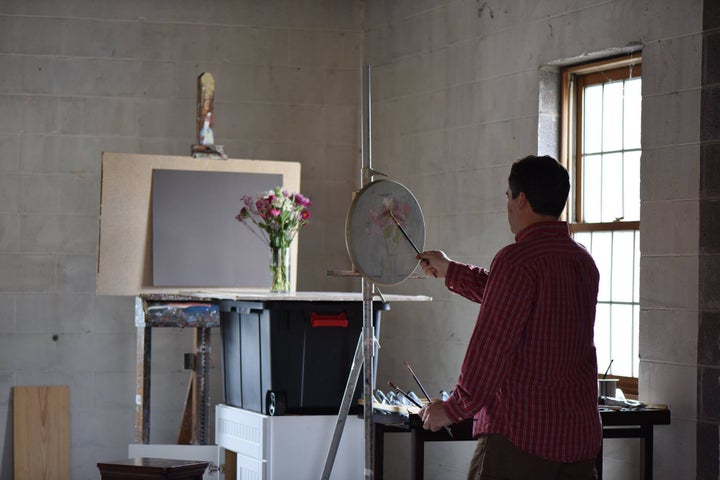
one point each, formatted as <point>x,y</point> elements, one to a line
<point>289,446</point>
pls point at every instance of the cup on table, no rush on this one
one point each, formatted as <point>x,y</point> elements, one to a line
<point>607,387</point>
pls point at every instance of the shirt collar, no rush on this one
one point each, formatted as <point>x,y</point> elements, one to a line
<point>556,228</point>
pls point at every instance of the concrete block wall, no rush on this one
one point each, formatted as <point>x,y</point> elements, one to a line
<point>83,77</point>
<point>708,357</point>
<point>463,88</point>
<point>456,99</point>
<point>669,243</point>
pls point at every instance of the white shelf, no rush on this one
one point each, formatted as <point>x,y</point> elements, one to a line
<point>298,296</point>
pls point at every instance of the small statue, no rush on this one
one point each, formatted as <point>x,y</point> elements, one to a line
<point>205,147</point>
<point>206,134</point>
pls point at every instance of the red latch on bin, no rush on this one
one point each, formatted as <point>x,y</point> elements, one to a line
<point>339,320</point>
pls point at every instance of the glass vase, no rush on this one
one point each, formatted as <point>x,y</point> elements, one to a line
<point>280,268</point>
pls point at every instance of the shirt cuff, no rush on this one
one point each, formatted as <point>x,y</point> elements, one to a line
<point>451,275</point>
<point>452,411</point>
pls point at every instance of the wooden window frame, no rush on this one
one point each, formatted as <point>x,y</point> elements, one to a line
<point>574,79</point>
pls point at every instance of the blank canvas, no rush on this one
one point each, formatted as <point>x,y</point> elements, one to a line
<point>196,240</point>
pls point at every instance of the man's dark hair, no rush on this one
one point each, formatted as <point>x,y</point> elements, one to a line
<point>544,181</point>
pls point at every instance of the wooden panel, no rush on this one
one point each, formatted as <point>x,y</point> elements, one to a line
<point>41,433</point>
<point>230,464</point>
<point>125,248</point>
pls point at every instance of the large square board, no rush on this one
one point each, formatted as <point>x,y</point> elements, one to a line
<point>125,257</point>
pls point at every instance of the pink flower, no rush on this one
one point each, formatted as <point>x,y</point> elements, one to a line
<point>242,215</point>
<point>302,200</point>
<point>275,215</point>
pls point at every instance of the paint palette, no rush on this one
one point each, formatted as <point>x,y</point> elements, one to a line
<point>375,240</point>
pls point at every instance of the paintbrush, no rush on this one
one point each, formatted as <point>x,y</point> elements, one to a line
<point>404,393</point>
<point>407,237</point>
<point>417,380</point>
<point>404,232</point>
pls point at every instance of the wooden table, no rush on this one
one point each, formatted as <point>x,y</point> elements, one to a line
<point>625,423</point>
<point>634,423</point>
<point>152,469</point>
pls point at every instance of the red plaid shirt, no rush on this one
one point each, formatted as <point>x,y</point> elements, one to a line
<point>530,370</point>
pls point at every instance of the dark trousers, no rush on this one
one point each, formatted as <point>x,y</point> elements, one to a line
<point>496,458</point>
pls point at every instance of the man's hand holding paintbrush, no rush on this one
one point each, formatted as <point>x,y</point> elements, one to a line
<point>434,417</point>
<point>447,428</point>
<point>434,263</point>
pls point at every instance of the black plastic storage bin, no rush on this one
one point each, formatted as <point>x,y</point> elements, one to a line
<point>291,356</point>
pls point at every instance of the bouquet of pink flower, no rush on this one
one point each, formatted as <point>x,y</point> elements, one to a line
<point>277,214</point>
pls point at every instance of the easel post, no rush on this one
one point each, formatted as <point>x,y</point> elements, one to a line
<point>366,342</point>
<point>367,287</point>
<point>368,380</point>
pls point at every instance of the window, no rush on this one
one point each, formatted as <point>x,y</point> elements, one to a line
<point>601,148</point>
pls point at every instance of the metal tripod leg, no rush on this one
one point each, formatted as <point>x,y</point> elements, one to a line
<point>344,408</point>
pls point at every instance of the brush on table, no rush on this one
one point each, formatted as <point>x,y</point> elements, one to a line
<point>392,385</point>
<point>417,380</point>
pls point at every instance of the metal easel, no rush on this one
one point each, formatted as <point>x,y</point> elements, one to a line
<point>365,350</point>
<point>383,253</point>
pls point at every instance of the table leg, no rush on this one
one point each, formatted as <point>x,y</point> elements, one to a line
<point>379,451</point>
<point>142,384</point>
<point>646,450</point>
<point>201,384</point>
<point>417,454</point>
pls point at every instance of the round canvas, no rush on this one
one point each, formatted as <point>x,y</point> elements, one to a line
<point>376,243</point>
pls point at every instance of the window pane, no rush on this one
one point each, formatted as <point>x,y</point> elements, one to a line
<point>632,109</point>
<point>592,119</point>
<point>621,338</point>
<point>602,253</point>
<point>584,239</point>
<point>631,185</point>
<point>602,335</point>
<point>622,266</point>
<point>591,188</point>
<point>612,189</point>
<point>609,163</point>
<point>612,134</point>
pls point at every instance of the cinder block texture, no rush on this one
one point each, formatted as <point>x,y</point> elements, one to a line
<point>678,220</point>
<point>672,64</point>
<point>710,171</point>
<point>81,78</point>
<point>657,185</point>
<point>660,111</point>
<point>710,130</point>
<point>672,336</point>
<point>710,389</point>
<point>708,374</point>
<point>678,290</point>
<point>456,99</point>
<point>481,69</point>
